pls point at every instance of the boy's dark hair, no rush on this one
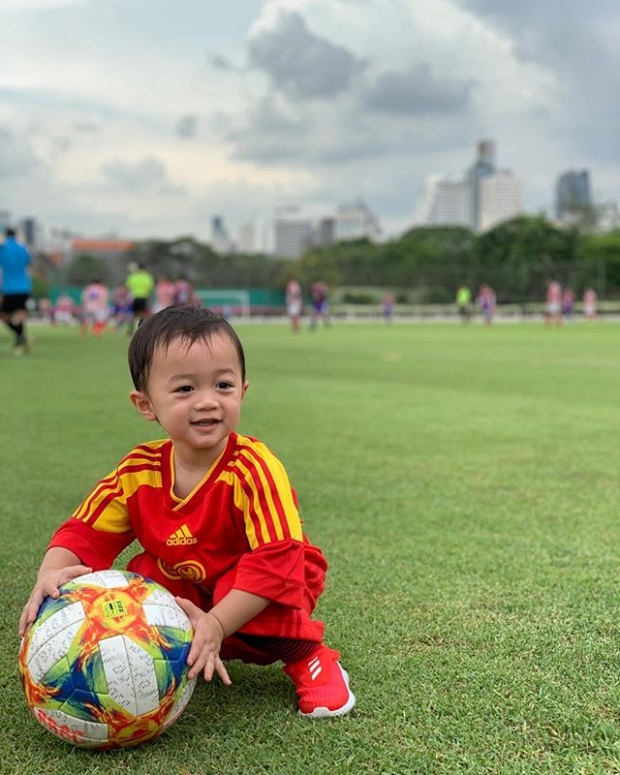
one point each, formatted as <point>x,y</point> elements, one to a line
<point>9,232</point>
<point>189,323</point>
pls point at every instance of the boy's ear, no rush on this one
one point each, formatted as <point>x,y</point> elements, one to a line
<point>244,390</point>
<point>143,404</point>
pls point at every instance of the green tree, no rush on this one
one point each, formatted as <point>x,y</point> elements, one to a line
<point>183,256</point>
<point>599,263</point>
<point>437,259</point>
<point>204,267</point>
<point>40,287</point>
<point>85,268</point>
<point>518,256</point>
<point>319,264</point>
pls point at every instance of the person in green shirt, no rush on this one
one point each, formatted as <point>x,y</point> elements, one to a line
<point>463,302</point>
<point>140,284</point>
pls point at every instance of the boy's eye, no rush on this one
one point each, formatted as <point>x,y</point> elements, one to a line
<point>184,389</point>
<point>224,385</point>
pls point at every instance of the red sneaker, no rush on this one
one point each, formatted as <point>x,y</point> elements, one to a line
<point>322,685</point>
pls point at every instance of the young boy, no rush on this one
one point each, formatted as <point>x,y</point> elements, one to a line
<point>214,513</point>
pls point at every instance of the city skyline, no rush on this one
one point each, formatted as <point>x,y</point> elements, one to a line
<point>149,118</point>
<point>480,197</point>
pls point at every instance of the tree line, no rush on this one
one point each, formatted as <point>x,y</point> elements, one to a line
<point>423,265</point>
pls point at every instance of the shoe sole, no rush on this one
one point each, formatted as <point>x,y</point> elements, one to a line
<point>326,712</point>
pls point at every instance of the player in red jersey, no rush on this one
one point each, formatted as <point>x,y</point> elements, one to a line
<point>214,513</point>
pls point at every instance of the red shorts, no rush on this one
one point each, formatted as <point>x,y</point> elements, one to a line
<point>276,621</point>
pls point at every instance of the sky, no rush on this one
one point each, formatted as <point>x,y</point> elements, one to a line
<point>146,118</point>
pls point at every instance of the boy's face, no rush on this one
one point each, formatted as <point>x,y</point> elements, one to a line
<point>195,394</point>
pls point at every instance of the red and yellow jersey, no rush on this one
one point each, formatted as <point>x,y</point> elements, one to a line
<point>240,523</point>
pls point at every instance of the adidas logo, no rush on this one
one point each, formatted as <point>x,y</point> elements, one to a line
<point>315,668</point>
<point>182,537</point>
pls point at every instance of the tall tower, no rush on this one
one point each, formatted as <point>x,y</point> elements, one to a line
<point>483,166</point>
<point>29,231</point>
<point>220,241</point>
<point>572,193</point>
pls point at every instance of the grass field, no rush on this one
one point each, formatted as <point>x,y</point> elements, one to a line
<point>464,485</point>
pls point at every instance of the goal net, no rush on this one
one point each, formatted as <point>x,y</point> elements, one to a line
<point>229,303</point>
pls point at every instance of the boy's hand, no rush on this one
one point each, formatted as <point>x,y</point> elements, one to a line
<point>204,655</point>
<point>47,585</point>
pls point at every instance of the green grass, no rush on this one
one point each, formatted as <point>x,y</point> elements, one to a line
<point>463,483</point>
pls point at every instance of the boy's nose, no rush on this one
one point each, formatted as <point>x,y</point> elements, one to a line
<point>204,398</point>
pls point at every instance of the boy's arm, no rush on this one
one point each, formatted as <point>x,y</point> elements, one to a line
<point>210,629</point>
<point>59,566</point>
<point>236,609</point>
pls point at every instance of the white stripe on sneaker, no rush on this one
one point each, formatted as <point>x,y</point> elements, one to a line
<point>314,666</point>
<point>322,712</point>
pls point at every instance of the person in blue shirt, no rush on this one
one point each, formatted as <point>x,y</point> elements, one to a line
<point>16,289</point>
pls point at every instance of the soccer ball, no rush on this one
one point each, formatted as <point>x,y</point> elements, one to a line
<point>104,664</point>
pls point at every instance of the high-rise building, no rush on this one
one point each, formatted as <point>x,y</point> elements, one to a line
<point>220,241</point>
<point>480,198</point>
<point>324,234</point>
<point>483,166</point>
<point>499,199</point>
<point>247,237</point>
<point>355,221</point>
<point>293,233</point>
<point>254,237</point>
<point>29,231</point>
<point>572,193</point>
<point>444,202</point>
<point>5,220</point>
